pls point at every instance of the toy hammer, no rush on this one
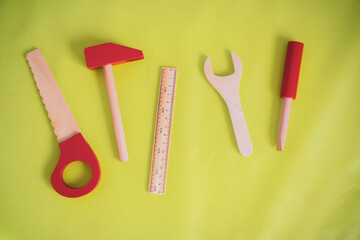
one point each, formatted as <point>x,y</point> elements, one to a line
<point>106,55</point>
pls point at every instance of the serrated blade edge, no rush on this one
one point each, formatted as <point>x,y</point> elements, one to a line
<point>62,120</point>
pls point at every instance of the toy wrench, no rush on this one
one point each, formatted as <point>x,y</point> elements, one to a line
<point>73,146</point>
<point>228,87</point>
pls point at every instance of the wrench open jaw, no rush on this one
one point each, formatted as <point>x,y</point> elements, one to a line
<point>228,88</point>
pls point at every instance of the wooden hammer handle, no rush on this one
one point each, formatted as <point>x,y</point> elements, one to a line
<point>115,113</point>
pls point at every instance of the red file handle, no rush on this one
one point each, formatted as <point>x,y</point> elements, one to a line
<point>72,150</point>
<point>291,70</point>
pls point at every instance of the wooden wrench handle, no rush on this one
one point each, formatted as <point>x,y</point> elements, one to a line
<point>240,128</point>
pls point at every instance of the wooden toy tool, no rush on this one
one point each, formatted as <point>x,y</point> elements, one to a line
<point>106,55</point>
<point>163,125</point>
<point>73,146</point>
<point>228,88</point>
<point>289,88</point>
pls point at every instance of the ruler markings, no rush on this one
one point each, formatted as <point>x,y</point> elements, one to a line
<point>163,125</point>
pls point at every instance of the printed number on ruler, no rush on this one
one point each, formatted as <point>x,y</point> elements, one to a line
<point>163,124</point>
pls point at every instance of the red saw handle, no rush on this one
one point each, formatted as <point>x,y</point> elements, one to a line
<point>72,150</point>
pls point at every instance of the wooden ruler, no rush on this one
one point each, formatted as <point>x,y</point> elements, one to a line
<point>163,124</point>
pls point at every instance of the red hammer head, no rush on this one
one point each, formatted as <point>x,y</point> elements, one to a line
<point>110,53</point>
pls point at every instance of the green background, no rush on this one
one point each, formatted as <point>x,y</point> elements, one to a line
<point>309,191</point>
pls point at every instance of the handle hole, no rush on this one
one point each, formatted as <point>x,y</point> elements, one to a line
<point>77,174</point>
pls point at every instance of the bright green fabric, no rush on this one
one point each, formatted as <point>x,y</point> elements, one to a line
<point>309,191</point>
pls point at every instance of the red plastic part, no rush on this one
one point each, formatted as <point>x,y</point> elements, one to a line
<point>291,70</point>
<point>110,53</point>
<point>72,150</point>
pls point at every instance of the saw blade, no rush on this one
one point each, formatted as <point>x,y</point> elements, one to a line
<point>59,112</point>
